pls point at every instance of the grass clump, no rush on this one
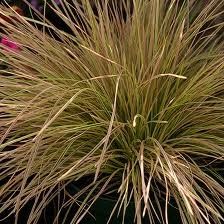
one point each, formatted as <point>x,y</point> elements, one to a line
<point>133,102</point>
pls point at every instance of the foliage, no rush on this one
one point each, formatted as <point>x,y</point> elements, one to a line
<point>136,102</point>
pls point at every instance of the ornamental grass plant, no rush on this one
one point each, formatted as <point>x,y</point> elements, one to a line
<point>130,99</point>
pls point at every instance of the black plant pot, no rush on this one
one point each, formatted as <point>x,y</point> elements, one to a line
<point>102,208</point>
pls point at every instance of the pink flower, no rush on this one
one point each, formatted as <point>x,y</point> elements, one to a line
<point>9,45</point>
